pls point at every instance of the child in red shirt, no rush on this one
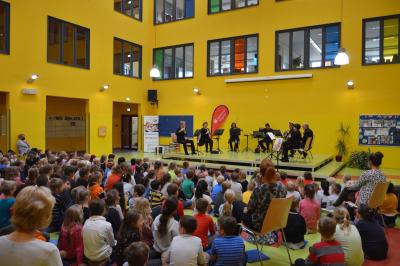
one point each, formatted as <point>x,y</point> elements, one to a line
<point>328,251</point>
<point>310,209</point>
<point>205,223</point>
<point>173,191</point>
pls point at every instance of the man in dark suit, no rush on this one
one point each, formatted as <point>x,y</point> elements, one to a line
<point>293,141</point>
<point>307,133</point>
<point>181,138</point>
<point>267,140</point>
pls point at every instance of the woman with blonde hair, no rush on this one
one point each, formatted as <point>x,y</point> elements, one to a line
<point>32,211</point>
<point>348,235</point>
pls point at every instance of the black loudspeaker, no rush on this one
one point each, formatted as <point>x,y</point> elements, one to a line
<point>152,96</point>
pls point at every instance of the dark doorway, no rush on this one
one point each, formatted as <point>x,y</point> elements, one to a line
<point>129,132</point>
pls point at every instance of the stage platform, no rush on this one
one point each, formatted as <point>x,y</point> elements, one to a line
<point>321,166</point>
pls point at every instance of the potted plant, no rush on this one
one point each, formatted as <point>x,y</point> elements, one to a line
<point>359,159</point>
<point>341,145</point>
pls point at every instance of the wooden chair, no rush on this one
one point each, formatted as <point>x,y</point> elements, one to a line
<point>174,143</point>
<point>275,219</point>
<point>378,195</point>
<point>307,148</point>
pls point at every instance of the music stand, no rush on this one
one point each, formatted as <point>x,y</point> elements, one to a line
<point>247,142</point>
<point>258,135</point>
<point>197,135</point>
<point>218,133</point>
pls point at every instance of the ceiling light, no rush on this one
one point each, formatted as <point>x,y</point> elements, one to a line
<point>350,84</point>
<point>196,91</point>
<point>341,58</point>
<point>104,87</point>
<point>128,109</point>
<point>32,78</point>
<point>155,72</point>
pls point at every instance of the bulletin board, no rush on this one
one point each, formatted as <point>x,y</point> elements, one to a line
<point>59,126</point>
<point>169,124</point>
<point>379,130</point>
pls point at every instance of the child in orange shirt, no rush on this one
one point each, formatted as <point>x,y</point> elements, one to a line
<point>96,191</point>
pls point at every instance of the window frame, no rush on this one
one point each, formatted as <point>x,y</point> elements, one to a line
<point>131,60</point>
<point>123,13</point>
<point>232,55</point>
<point>7,10</point>
<point>232,7</point>
<point>306,46</point>
<point>76,26</point>
<point>174,6</point>
<point>381,33</point>
<point>173,47</point>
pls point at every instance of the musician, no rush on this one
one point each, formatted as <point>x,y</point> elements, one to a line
<point>181,137</point>
<point>234,133</point>
<point>292,142</point>
<point>287,133</point>
<point>205,137</point>
<point>307,133</point>
<point>267,140</point>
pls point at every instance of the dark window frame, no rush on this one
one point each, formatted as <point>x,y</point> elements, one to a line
<point>131,60</point>
<point>175,20</point>
<point>306,46</point>
<point>232,54</point>
<point>7,10</point>
<point>381,20</point>
<point>62,35</point>
<point>173,47</point>
<point>140,11</point>
<point>232,7</point>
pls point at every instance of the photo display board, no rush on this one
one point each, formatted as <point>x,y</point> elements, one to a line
<point>61,126</point>
<point>379,130</point>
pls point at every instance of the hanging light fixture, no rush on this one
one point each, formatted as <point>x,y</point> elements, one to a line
<point>155,72</point>
<point>341,58</point>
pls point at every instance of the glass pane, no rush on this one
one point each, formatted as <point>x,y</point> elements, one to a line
<point>283,50</point>
<point>316,47</point>
<point>180,9</point>
<point>159,11</point>
<point>68,44</point>
<point>189,61</point>
<point>118,5</point>
<point>159,61</point>
<point>240,3</point>
<point>82,38</point>
<point>169,10</point>
<point>214,6</point>
<point>252,56</point>
<point>226,57</point>
<point>168,71</point>
<point>136,9</point>
<point>189,8</point>
<point>214,58</point>
<point>179,65</point>
<point>2,28</point>
<point>226,4</point>
<point>136,61</point>
<point>252,2</point>
<point>117,57</point>
<point>391,40</point>
<point>298,49</point>
<point>127,8</point>
<point>372,42</point>
<point>239,55</point>
<point>331,44</point>
<point>54,41</point>
<point>126,60</point>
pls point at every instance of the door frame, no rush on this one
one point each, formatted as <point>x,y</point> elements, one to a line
<point>130,133</point>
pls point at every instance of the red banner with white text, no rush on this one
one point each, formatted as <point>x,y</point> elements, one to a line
<point>218,118</point>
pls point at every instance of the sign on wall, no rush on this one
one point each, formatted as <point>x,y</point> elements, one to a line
<point>150,133</point>
<point>61,126</point>
<point>379,130</point>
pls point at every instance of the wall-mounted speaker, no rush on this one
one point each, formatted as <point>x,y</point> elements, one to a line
<point>152,96</point>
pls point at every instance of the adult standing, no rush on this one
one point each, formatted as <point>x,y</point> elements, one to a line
<point>181,138</point>
<point>22,145</point>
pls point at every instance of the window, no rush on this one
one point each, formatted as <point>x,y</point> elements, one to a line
<point>381,40</point>
<point>235,55</point>
<point>307,48</point>
<point>175,62</point>
<point>4,28</point>
<point>216,6</point>
<point>132,8</point>
<point>172,10</point>
<point>67,43</point>
<point>127,58</point>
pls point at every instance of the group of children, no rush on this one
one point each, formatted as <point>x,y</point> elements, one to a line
<point>109,211</point>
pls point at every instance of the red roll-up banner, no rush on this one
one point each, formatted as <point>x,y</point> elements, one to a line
<point>219,116</point>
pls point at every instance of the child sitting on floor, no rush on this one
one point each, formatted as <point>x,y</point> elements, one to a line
<point>389,207</point>
<point>205,225</point>
<point>328,251</point>
<point>226,208</point>
<point>137,254</point>
<point>186,249</point>
<point>249,192</point>
<point>96,191</point>
<point>7,200</point>
<point>295,228</point>
<point>292,192</point>
<point>138,191</point>
<point>310,209</point>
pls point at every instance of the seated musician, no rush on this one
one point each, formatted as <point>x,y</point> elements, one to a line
<point>267,140</point>
<point>292,142</point>
<point>307,133</point>
<point>181,138</point>
<point>205,137</point>
<point>234,133</point>
<point>288,132</point>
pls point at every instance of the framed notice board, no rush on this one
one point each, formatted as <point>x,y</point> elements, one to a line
<point>379,130</point>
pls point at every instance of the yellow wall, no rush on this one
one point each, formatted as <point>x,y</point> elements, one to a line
<point>322,101</point>
<point>119,109</point>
